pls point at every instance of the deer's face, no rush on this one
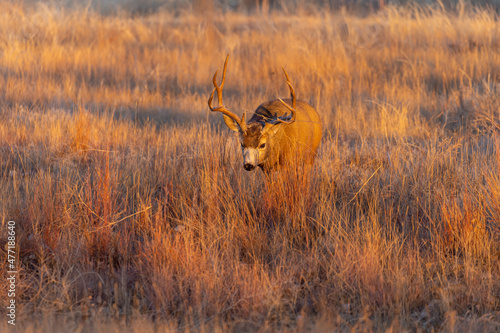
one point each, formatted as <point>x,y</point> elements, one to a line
<point>256,144</point>
<point>253,147</point>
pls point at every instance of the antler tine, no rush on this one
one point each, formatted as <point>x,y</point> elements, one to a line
<point>217,87</point>
<point>292,92</point>
<point>294,99</point>
<point>224,72</point>
<point>221,108</point>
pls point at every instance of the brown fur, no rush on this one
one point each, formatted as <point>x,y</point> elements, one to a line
<point>292,143</point>
<point>252,135</point>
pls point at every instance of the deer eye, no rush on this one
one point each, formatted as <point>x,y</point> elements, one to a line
<point>262,146</point>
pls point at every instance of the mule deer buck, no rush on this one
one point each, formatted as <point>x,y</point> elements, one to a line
<point>280,132</point>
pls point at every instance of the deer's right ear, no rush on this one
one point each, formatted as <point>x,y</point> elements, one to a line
<point>233,125</point>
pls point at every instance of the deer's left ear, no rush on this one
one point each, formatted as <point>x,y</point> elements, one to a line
<point>234,125</point>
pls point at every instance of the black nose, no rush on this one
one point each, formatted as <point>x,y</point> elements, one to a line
<point>249,167</point>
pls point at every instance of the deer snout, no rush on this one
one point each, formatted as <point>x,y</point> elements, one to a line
<point>249,167</point>
<point>250,158</point>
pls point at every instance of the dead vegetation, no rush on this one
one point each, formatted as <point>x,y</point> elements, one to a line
<point>133,212</point>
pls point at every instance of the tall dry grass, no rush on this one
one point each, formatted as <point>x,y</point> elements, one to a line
<point>133,210</point>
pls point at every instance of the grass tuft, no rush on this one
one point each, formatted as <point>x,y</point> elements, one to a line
<point>134,213</point>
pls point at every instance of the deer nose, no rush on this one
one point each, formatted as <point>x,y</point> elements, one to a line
<point>249,167</point>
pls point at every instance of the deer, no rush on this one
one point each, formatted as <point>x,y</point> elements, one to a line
<point>280,133</point>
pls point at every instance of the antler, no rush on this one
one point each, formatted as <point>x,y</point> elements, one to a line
<point>221,108</point>
<point>289,118</point>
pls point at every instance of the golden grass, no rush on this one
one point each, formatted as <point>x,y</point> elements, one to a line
<point>135,213</point>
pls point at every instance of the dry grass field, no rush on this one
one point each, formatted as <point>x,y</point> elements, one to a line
<point>133,211</point>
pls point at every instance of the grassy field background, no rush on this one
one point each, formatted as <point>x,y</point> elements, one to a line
<point>133,211</point>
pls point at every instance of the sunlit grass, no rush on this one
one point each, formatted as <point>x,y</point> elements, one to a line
<point>133,207</point>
